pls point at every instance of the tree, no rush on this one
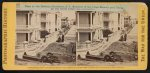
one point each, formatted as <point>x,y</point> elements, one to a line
<point>44,33</point>
<point>106,32</point>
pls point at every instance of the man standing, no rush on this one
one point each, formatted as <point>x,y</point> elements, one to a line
<point>125,36</point>
<point>62,37</point>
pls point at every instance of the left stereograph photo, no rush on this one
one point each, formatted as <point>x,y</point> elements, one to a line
<point>44,38</point>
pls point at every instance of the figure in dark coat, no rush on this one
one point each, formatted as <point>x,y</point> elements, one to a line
<point>62,38</point>
<point>58,40</point>
<point>121,38</point>
<point>125,37</point>
<point>44,39</point>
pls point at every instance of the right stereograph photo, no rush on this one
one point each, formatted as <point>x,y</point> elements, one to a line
<point>107,37</point>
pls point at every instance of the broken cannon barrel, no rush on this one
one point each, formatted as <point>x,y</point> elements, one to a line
<point>31,57</point>
<point>96,57</point>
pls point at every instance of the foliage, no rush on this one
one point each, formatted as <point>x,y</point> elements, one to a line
<point>44,33</point>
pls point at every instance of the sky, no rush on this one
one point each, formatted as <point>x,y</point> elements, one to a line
<point>69,14</point>
<point>132,10</point>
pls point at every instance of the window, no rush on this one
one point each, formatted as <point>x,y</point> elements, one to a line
<point>43,25</point>
<point>106,15</point>
<point>106,24</point>
<point>43,16</point>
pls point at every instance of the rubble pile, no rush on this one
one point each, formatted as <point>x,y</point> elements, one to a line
<point>60,51</point>
<point>128,51</point>
<point>121,47</point>
<point>54,47</point>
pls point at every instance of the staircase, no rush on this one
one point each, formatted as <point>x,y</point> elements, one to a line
<point>96,49</point>
<point>71,35</point>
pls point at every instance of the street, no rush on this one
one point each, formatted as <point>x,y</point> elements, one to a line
<point>102,63</point>
<point>37,63</point>
<point>132,35</point>
<point>50,46</point>
<point>115,45</point>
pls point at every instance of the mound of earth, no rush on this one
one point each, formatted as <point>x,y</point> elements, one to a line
<point>62,51</point>
<point>128,51</point>
<point>122,47</point>
<point>54,47</point>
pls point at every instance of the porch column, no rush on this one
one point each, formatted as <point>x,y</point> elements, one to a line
<point>28,15</point>
<point>78,19</point>
<point>78,37</point>
<point>28,37</point>
<point>35,38</point>
<point>46,16</point>
<point>91,37</point>
<point>101,18</point>
<point>28,19</point>
<point>101,34</point>
<point>90,19</point>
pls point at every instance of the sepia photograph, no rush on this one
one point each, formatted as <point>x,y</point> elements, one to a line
<point>45,38</point>
<point>107,37</point>
<point>104,37</point>
<point>74,36</point>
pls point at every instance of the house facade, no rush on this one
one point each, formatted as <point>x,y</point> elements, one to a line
<point>134,21</point>
<point>127,21</point>
<point>30,23</point>
<point>50,21</point>
<point>27,26</point>
<point>64,21</point>
<point>92,25</point>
